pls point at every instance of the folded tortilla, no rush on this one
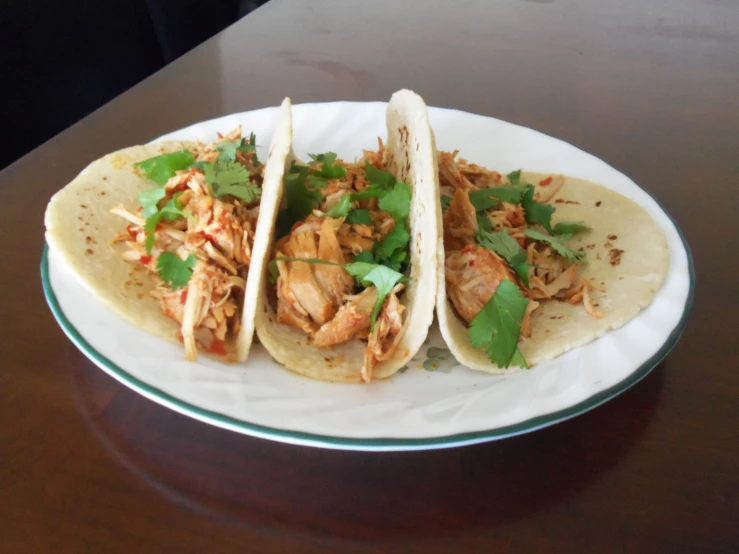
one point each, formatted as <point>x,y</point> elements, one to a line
<point>80,228</point>
<point>410,144</point>
<point>627,255</point>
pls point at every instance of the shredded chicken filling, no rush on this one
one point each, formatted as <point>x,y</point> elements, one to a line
<point>473,273</point>
<point>219,232</point>
<point>324,301</point>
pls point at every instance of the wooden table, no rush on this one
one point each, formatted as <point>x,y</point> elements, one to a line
<point>651,86</point>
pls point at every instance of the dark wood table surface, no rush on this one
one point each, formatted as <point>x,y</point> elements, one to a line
<point>650,86</point>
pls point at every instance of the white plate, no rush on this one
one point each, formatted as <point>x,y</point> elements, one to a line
<point>440,406</point>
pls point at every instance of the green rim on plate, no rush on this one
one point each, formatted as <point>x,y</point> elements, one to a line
<point>327,440</point>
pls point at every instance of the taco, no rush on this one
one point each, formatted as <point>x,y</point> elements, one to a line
<point>532,265</point>
<point>349,295</point>
<point>170,235</point>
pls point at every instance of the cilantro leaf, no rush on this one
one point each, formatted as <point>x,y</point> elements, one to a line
<point>359,216</point>
<point>316,181</point>
<point>161,168</point>
<point>171,210</point>
<point>226,177</point>
<point>536,212</point>
<point>484,223</point>
<point>328,157</point>
<point>174,271</point>
<point>333,171</point>
<point>274,272</point>
<point>569,228</point>
<point>397,202</point>
<point>300,201</point>
<point>518,360</point>
<point>514,177</point>
<point>150,226</point>
<point>328,169</point>
<point>497,327</point>
<point>373,191</point>
<point>507,248</point>
<point>397,239</point>
<point>559,245</point>
<point>365,256</point>
<point>251,146</point>
<point>374,176</point>
<point>483,199</point>
<point>149,200</point>
<point>382,277</point>
<point>342,208</point>
<point>227,149</point>
<point>445,202</point>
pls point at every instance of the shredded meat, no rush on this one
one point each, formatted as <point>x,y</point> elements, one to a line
<point>352,319</point>
<point>385,337</point>
<point>472,277</point>
<point>323,300</point>
<point>460,222</point>
<point>219,232</point>
<point>473,273</point>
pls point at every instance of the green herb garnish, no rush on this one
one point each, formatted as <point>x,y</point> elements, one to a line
<point>507,248</point>
<point>342,208</point>
<point>161,168</point>
<point>149,200</point>
<point>359,216</point>
<point>171,210</point>
<point>559,244</point>
<point>397,202</point>
<point>536,212</point>
<point>228,149</point>
<point>232,178</point>
<point>569,228</point>
<point>497,327</point>
<point>328,169</point>
<point>174,271</point>
<point>374,176</point>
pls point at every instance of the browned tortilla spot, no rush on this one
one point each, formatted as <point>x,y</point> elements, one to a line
<point>614,255</point>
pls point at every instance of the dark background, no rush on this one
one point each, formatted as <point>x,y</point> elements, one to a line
<point>62,59</point>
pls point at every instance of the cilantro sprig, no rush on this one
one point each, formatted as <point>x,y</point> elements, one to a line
<point>569,228</point>
<point>342,208</point>
<point>514,192</point>
<point>174,271</point>
<point>497,327</point>
<point>299,199</point>
<point>328,168</point>
<point>359,216</point>
<point>232,178</point>
<point>507,248</point>
<point>171,211</point>
<point>228,149</point>
<point>536,212</point>
<point>381,276</point>
<point>559,244</point>
<point>161,168</point>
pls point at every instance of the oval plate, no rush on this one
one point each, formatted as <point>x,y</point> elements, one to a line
<point>435,402</point>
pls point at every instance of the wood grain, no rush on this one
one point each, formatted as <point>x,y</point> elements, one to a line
<point>651,86</point>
